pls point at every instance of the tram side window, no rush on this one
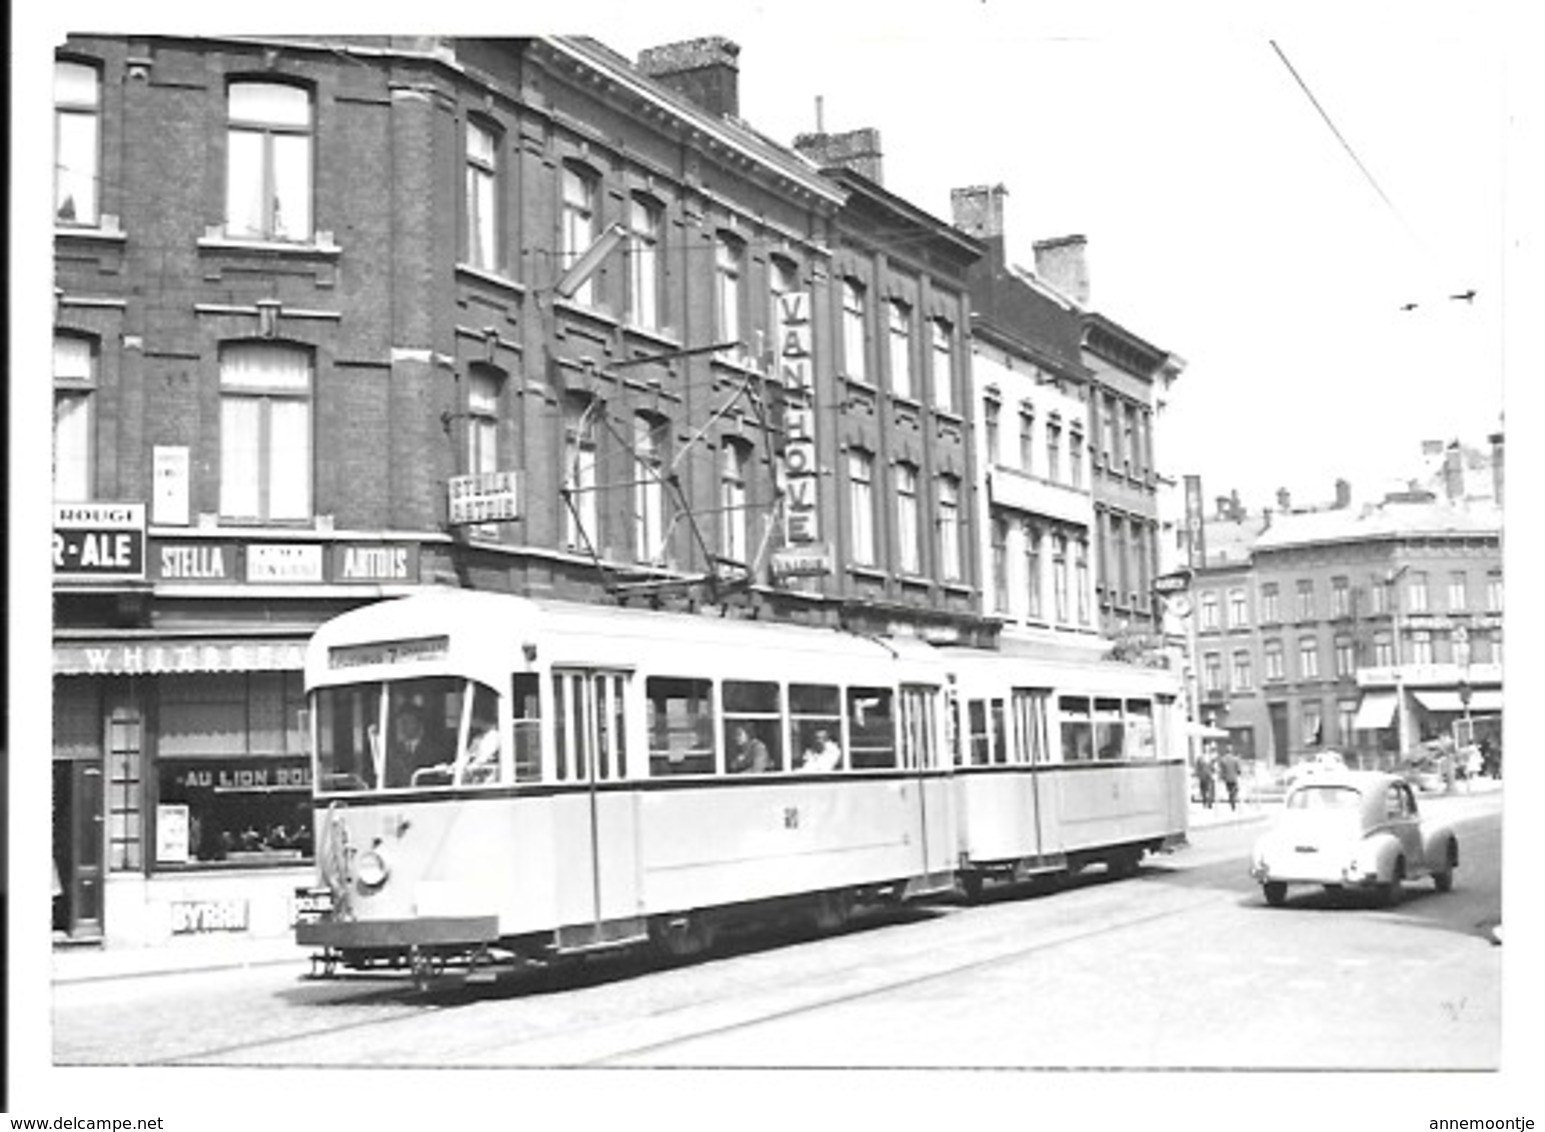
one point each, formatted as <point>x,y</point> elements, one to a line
<point>1077,731</point>
<point>347,720</point>
<point>681,726</point>
<point>525,704</point>
<point>976,713</point>
<point>815,725</point>
<point>1029,709</point>
<point>917,726</point>
<point>999,738</point>
<point>1140,733</point>
<point>752,719</point>
<point>1108,730</point>
<point>871,728</point>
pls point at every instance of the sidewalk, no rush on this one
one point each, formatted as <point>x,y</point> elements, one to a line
<point>83,963</point>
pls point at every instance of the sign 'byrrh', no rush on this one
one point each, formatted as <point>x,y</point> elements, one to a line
<point>802,513</point>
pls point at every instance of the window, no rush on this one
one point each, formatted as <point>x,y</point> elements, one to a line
<point>754,708</point>
<point>268,162</point>
<point>265,432</point>
<point>728,258</point>
<point>649,435</point>
<point>1000,563</point>
<point>1026,440</point>
<point>232,767</point>
<point>483,386</point>
<point>861,504</point>
<point>1076,459</point>
<point>1032,539</point>
<point>1129,448</point>
<point>1029,714</point>
<point>1059,576</point>
<point>644,263</point>
<point>77,103</point>
<point>1212,671</point>
<point>1238,610</point>
<point>1054,451</point>
<point>990,430</point>
<point>482,197</point>
<point>1306,600</point>
<point>1274,669</point>
<point>1313,722</point>
<point>75,368</point>
<point>1308,658</point>
<point>813,709</point>
<point>907,519</point>
<point>1346,722</point>
<point>1378,587</point>
<point>1113,432</point>
<point>1269,612</point>
<point>943,367</point>
<point>734,459</point>
<point>578,220</point>
<point>1209,609</point>
<point>1383,650</point>
<point>1077,729</point>
<point>1493,593</point>
<point>681,725</point>
<point>901,349</point>
<point>871,728</point>
<point>1418,592</point>
<point>1458,590</point>
<point>949,528</point>
<point>1109,729</point>
<point>1081,579</point>
<point>1346,657</point>
<point>1421,646</point>
<point>854,338</point>
<point>1340,598</point>
<point>1244,679</point>
<point>581,515</point>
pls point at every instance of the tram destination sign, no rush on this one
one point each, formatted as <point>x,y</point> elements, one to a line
<point>486,497</point>
<point>94,541</point>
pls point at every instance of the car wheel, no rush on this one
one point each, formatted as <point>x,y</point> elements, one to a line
<point>1387,894</point>
<point>1276,892</point>
<point>1443,879</point>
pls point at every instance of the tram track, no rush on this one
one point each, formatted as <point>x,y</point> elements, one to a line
<point>580,1027</point>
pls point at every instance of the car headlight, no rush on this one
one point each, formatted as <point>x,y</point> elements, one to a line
<point>371,869</point>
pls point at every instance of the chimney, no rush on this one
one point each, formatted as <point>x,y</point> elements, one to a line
<point>1284,500</point>
<point>856,150</point>
<point>1496,466</point>
<point>1061,263</point>
<point>1343,494</point>
<point>978,210</point>
<point>1236,508</point>
<point>1225,508</point>
<point>706,71</point>
<point>1453,473</point>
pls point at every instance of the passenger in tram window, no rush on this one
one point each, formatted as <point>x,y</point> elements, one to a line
<point>748,754</point>
<point>821,753</point>
<point>482,758</point>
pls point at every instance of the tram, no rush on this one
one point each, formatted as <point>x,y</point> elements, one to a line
<point>500,777</point>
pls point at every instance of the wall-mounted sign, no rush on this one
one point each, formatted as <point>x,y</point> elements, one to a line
<point>194,562</point>
<point>374,562</point>
<point>194,917</point>
<point>172,833</point>
<point>802,526</point>
<point>284,562</point>
<point>169,478</point>
<point>1196,532</point>
<point>134,658</point>
<point>808,560</point>
<point>99,540</point>
<point>1176,582</point>
<point>487,497</point>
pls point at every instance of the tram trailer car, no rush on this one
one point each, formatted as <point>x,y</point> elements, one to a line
<point>499,776</point>
<point>1062,765</point>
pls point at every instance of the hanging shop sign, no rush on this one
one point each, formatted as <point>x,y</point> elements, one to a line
<point>99,541</point>
<point>487,497</point>
<point>804,554</point>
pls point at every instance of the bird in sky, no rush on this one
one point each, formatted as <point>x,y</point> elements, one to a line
<point>1467,296</point>
<point>1408,306</point>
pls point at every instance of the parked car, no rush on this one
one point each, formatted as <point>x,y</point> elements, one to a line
<point>1354,829</point>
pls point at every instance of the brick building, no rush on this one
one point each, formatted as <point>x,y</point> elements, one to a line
<point>338,320</point>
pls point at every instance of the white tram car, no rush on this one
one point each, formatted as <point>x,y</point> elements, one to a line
<point>501,776</point>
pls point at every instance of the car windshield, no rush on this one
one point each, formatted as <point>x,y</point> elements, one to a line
<point>1324,798</point>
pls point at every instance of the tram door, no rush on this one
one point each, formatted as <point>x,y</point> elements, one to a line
<point>924,752</point>
<point>598,825</point>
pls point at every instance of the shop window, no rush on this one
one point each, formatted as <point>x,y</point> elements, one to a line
<point>681,726</point>
<point>233,783</point>
<point>871,728</point>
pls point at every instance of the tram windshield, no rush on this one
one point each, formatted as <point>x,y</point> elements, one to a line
<point>435,731</point>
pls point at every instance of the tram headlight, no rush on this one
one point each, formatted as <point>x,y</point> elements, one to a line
<point>371,869</point>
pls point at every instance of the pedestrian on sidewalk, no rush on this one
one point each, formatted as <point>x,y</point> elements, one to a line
<point>1228,770</point>
<point>1205,781</point>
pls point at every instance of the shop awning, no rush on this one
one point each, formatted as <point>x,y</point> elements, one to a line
<point>1449,701</point>
<point>1375,712</point>
<point>136,656</point>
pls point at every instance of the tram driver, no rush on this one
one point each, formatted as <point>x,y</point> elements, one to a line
<point>409,750</point>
